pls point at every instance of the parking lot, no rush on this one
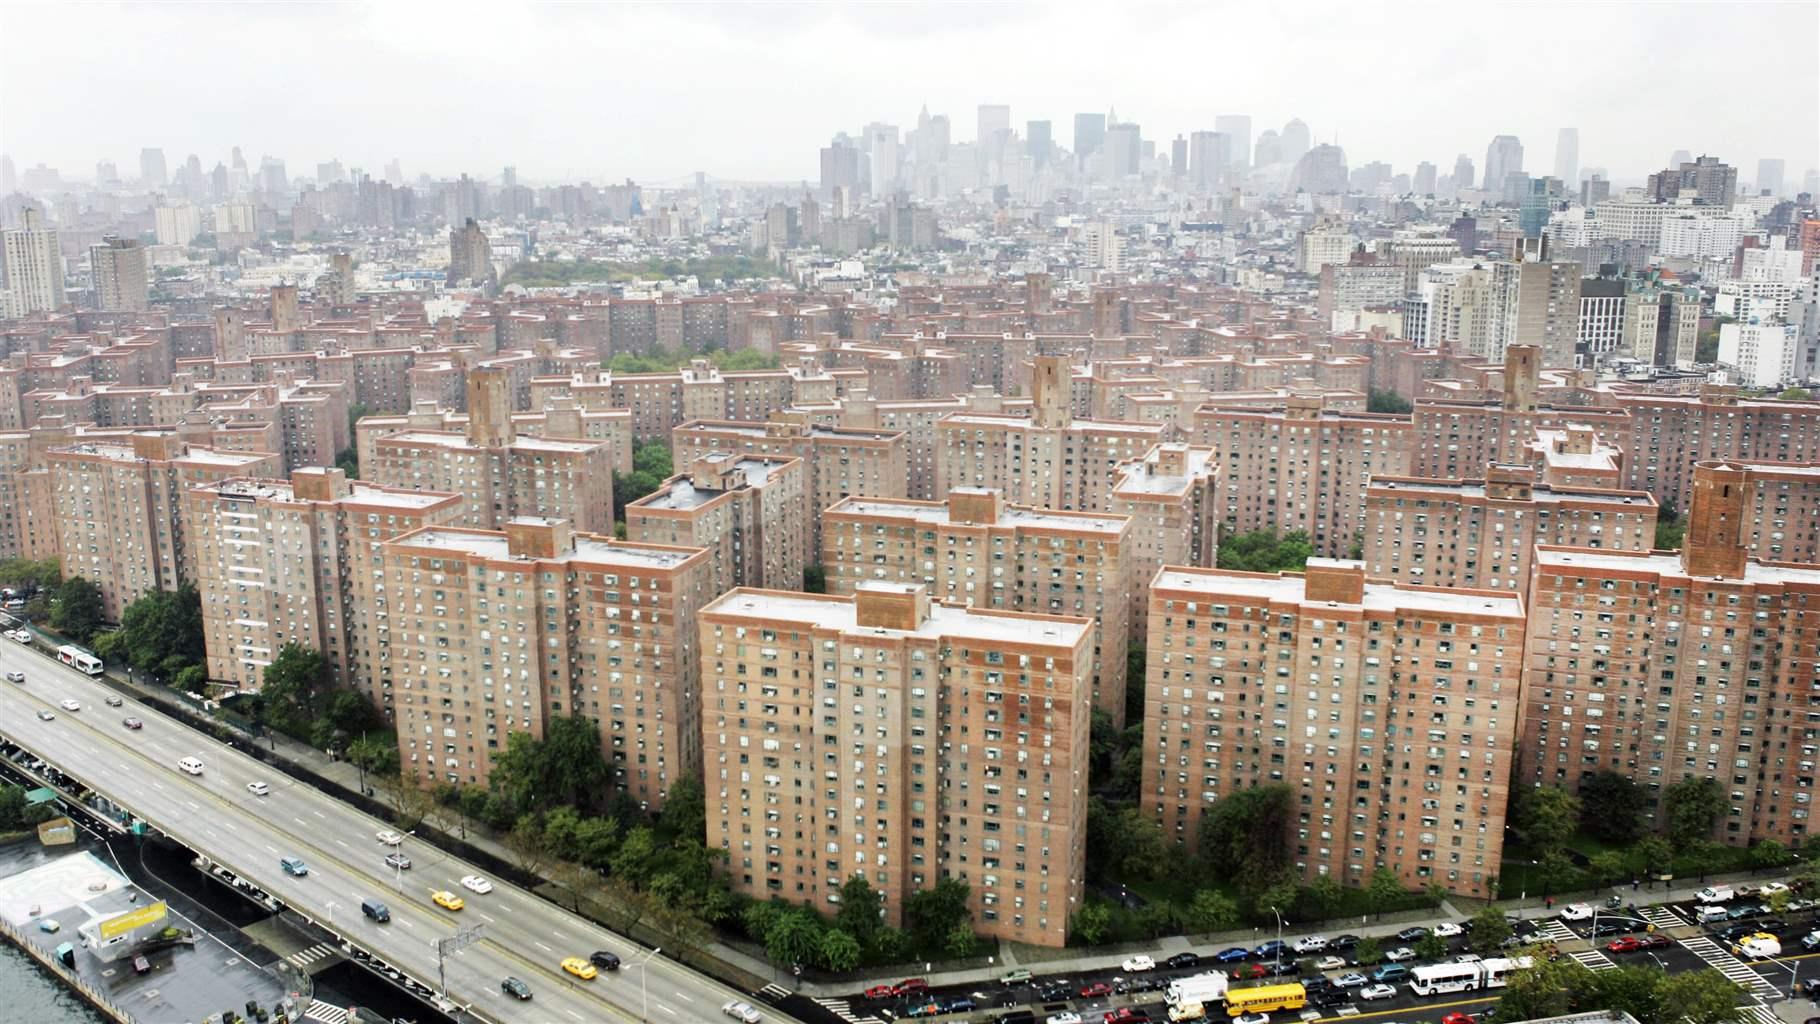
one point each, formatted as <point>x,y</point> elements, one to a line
<point>1665,936</point>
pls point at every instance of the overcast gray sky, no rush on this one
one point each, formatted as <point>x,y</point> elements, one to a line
<point>656,92</point>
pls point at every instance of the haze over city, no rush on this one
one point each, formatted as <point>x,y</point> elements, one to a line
<point>747,92</point>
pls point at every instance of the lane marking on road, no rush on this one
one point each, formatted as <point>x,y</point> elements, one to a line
<point>541,946</point>
<point>319,814</point>
<point>488,919</point>
<point>300,821</point>
<point>194,806</point>
<point>269,848</point>
<point>666,1009</point>
<point>341,844</point>
<point>572,1013</point>
<point>684,998</point>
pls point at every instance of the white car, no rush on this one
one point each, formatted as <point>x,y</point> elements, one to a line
<point>1770,889</point>
<point>1447,930</point>
<point>1252,1018</point>
<point>1065,1017</point>
<point>475,883</point>
<point>15,677</point>
<point>1716,894</point>
<point>1576,912</point>
<point>1400,954</point>
<point>1330,963</point>
<point>1310,944</point>
<point>388,837</point>
<point>258,788</point>
<point>69,704</point>
<point>1138,963</point>
<point>191,765</point>
<point>742,1012</point>
<point>1370,992</point>
<point>21,636</point>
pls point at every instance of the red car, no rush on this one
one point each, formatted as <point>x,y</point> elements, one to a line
<point>1458,1018</point>
<point>881,992</point>
<point>1655,940</point>
<point>909,987</point>
<point>1098,988</point>
<point>1126,1015</point>
<point>1250,972</point>
<point>1627,944</point>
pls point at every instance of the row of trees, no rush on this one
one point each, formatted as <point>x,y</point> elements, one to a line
<point>1652,996</point>
<point>160,634</point>
<point>17,813</point>
<point>1614,809</point>
<point>663,360</point>
<point>1264,551</point>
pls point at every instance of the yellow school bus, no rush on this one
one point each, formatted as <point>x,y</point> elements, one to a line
<point>1265,999</point>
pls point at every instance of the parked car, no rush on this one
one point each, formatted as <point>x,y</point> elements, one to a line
<point>1458,1018</point>
<point>1576,912</point>
<point>1373,992</point>
<point>1126,1015</point>
<point>1183,960</point>
<point>1415,934</point>
<point>1330,963</point>
<point>1344,942</point>
<point>1014,977</point>
<point>1311,944</point>
<point>1252,1018</point>
<point>1328,998</point>
<point>1716,894</point>
<point>1628,944</point>
<point>1250,972</point>
<point>1811,940</point>
<point>909,986</point>
<point>1391,973</point>
<point>1233,955</point>
<point>1274,947</point>
<point>958,1004</point>
<point>1351,980</point>
<point>1400,954</point>
<point>1134,964</point>
<point>1095,989</point>
<point>1065,1017</point>
<point>1448,929</point>
<point>880,992</point>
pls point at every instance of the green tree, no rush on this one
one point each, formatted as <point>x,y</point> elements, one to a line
<point>932,913</point>
<point>1654,854</point>
<point>1768,854</point>
<point>1670,528</point>
<point>815,579</point>
<point>685,812</point>
<point>77,610</point>
<point>1279,897</point>
<point>651,466</point>
<point>1369,951</point>
<point>795,937</point>
<point>374,756</point>
<point>1091,923</point>
<point>960,941</point>
<point>1384,891</point>
<point>525,841</point>
<point>291,695</point>
<point>596,839</point>
<point>1547,817</point>
<point>1264,551</point>
<point>1387,401</point>
<point>1246,835</point>
<point>1489,930</point>
<point>1612,807</point>
<point>1704,857</point>
<point>1431,947</point>
<point>1703,997</point>
<point>1796,395</point>
<point>12,808</point>
<point>636,858</point>
<point>1322,897</point>
<point>1544,989</point>
<point>30,574</point>
<point>1690,809</point>
<point>564,767</point>
<point>839,951</point>
<point>1556,872</point>
<point>348,461</point>
<point>1630,988</point>
<point>862,909</point>
<point>1608,866</point>
<point>161,631</point>
<point>1212,911</point>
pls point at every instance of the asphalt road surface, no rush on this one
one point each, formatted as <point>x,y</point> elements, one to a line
<point>214,813</point>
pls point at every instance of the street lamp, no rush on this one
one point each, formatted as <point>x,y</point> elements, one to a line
<point>644,991</point>
<point>398,864</point>
<point>1279,916</point>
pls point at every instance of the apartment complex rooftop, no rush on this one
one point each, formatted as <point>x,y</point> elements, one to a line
<point>827,611</point>
<point>1296,588</point>
<point>559,544</point>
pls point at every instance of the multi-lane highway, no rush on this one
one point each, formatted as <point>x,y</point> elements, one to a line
<point>214,813</point>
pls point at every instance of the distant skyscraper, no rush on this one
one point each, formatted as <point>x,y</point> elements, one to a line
<point>1769,176</point>
<point>1089,135</point>
<point>994,121</point>
<point>119,270</point>
<point>1209,158</point>
<point>1425,179</point>
<point>1462,171</point>
<point>9,177</point>
<point>1269,149</point>
<point>1296,141</point>
<point>105,174</point>
<point>881,140</point>
<point>1124,146</point>
<point>152,173</point>
<point>271,175</point>
<point>1238,128</point>
<point>1567,156</point>
<point>1321,169</point>
<point>1178,157</point>
<point>1679,157</point>
<point>34,266</point>
<point>840,167</point>
<point>394,174</point>
<point>1038,143</point>
<point>470,255</point>
<point>1503,157</point>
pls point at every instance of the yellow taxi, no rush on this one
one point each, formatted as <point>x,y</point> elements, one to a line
<point>580,968</point>
<point>447,900</point>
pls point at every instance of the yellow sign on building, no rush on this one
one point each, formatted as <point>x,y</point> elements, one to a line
<point>151,913</point>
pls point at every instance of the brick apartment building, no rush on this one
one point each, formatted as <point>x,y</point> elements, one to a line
<point>1172,498</point>
<point>976,550</point>
<point>484,633</point>
<point>1390,710</point>
<point>751,513</point>
<point>884,734</point>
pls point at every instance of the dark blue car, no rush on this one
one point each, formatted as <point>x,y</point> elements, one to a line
<point>1274,947</point>
<point>955,1004</point>
<point>1233,955</point>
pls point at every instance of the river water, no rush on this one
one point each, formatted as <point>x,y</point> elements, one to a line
<point>33,994</point>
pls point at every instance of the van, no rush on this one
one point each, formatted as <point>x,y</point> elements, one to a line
<point>375,910</point>
<point>1014,977</point>
<point>1391,973</point>
<point>1187,1011</point>
<point>1714,913</point>
<point>1716,894</point>
<point>294,866</point>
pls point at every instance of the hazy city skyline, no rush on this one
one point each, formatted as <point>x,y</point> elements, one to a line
<point>657,93</point>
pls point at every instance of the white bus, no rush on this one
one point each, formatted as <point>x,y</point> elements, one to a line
<point>79,659</point>
<point>1436,979</point>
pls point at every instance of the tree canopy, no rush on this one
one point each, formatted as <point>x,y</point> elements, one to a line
<point>564,767</point>
<point>651,466</point>
<point>1264,551</point>
<point>160,633</point>
<point>1387,401</point>
<point>77,610</point>
<point>1245,835</point>
<point>1690,809</point>
<point>1612,807</point>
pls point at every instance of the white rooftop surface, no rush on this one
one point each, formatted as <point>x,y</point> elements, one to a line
<point>1541,493</point>
<point>1109,525</point>
<point>1133,479</point>
<point>1378,596</point>
<point>57,884</point>
<point>996,419</point>
<point>363,494</point>
<point>684,494</point>
<point>492,546</point>
<point>1666,563</point>
<point>526,441</point>
<point>774,607</point>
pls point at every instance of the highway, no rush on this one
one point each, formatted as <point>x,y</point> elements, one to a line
<point>522,935</point>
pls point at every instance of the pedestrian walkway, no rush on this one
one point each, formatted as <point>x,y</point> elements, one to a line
<point>1756,1013</point>
<point>1554,930</point>
<point>305,958</point>
<point>1665,917</point>
<point>773,992</point>
<point>1730,966</point>
<point>1594,959</point>
<point>326,1014</point>
<point>844,1010</point>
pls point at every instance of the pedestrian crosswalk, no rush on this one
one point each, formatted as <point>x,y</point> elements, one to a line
<point>303,958</point>
<point>1664,917</point>
<point>1757,1013</point>
<point>1594,959</point>
<point>844,1010</point>
<point>773,992</point>
<point>324,1013</point>
<point>1554,930</point>
<point>1730,966</point>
